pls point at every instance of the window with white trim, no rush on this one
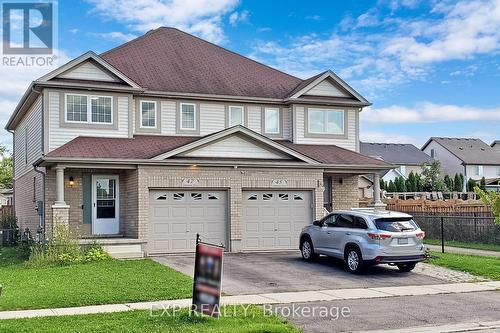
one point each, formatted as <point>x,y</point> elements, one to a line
<point>188,116</point>
<point>148,114</point>
<point>236,115</point>
<point>272,120</point>
<point>325,121</point>
<point>79,110</point>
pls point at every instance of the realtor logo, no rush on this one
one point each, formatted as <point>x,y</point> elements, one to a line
<point>29,33</point>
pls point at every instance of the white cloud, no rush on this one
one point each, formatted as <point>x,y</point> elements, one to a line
<point>15,81</point>
<point>116,35</point>
<point>313,17</point>
<point>398,51</point>
<point>238,17</point>
<point>203,18</point>
<point>426,112</point>
<point>73,31</point>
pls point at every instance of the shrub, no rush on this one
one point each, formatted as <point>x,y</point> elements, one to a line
<point>8,222</point>
<point>63,249</point>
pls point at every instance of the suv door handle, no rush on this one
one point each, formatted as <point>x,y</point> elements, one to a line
<point>328,232</point>
<point>347,233</point>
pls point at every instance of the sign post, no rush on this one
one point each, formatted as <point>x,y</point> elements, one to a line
<point>207,278</point>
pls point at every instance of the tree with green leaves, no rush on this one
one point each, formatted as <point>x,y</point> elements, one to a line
<point>471,183</point>
<point>458,183</point>
<point>382,184</point>
<point>448,182</point>
<point>418,182</point>
<point>492,199</point>
<point>6,168</point>
<point>411,183</point>
<point>482,184</point>
<point>391,187</point>
<point>430,175</point>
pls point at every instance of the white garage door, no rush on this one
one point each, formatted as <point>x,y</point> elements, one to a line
<point>175,217</point>
<point>273,219</point>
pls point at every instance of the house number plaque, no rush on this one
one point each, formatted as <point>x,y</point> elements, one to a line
<point>279,182</point>
<point>190,182</point>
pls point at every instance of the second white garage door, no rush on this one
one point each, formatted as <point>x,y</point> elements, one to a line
<point>175,217</point>
<point>272,220</point>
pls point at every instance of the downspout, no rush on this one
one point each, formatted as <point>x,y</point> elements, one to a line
<point>42,216</point>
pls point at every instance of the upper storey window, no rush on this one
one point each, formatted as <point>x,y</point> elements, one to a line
<point>188,116</point>
<point>89,109</point>
<point>325,121</point>
<point>272,120</point>
<point>236,115</point>
<point>148,114</point>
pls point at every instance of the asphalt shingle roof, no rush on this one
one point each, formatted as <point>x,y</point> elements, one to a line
<point>397,153</point>
<point>470,151</point>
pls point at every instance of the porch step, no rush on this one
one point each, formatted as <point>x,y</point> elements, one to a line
<point>124,251</point>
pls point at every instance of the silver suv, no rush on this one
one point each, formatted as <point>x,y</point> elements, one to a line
<point>363,237</point>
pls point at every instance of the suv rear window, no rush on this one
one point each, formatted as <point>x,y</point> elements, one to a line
<point>396,224</point>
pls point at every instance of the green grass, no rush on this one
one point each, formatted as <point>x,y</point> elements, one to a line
<point>110,281</point>
<point>483,266</point>
<point>478,246</point>
<point>142,322</point>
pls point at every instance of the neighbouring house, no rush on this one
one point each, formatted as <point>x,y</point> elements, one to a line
<point>6,195</point>
<point>365,187</point>
<point>407,157</point>
<point>496,145</point>
<point>168,135</point>
<point>472,157</point>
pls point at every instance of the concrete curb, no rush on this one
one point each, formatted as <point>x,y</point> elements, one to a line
<point>269,298</point>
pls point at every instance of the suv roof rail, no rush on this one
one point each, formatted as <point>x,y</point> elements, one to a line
<point>378,211</point>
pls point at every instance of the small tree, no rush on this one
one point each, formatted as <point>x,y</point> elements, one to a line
<point>430,174</point>
<point>482,184</point>
<point>411,185</point>
<point>491,199</point>
<point>6,167</point>
<point>418,182</point>
<point>448,182</point>
<point>391,187</point>
<point>382,184</point>
<point>470,185</point>
<point>458,183</point>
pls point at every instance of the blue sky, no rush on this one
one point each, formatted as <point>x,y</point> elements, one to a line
<point>430,68</point>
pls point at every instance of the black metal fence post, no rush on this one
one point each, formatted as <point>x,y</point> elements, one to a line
<point>442,234</point>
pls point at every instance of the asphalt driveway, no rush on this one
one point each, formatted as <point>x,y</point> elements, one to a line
<point>253,273</point>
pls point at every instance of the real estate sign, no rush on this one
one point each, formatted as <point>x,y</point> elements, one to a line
<point>207,278</point>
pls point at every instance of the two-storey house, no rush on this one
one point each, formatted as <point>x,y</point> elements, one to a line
<point>168,135</point>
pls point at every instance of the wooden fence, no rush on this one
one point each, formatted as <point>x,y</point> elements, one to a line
<point>440,207</point>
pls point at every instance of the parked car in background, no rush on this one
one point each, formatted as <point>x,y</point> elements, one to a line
<point>363,237</point>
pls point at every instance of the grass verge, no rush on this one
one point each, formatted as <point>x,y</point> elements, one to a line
<point>103,282</point>
<point>251,320</point>
<point>478,265</point>
<point>478,246</point>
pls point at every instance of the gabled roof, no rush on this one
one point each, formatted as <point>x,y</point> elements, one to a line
<point>158,148</point>
<point>469,151</point>
<point>397,153</point>
<point>494,143</point>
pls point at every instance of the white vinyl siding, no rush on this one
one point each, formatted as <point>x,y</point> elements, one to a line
<point>287,124</point>
<point>87,71</point>
<point>168,117</point>
<point>148,114</point>
<point>28,139</point>
<point>325,88</point>
<point>479,170</point>
<point>212,118</point>
<point>57,135</point>
<point>254,118</point>
<point>348,143</point>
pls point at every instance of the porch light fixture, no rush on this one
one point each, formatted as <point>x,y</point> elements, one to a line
<point>71,181</point>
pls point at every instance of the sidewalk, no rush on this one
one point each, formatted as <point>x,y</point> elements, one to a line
<point>462,250</point>
<point>272,298</point>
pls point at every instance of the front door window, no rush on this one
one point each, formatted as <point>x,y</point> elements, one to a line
<point>105,203</point>
<point>106,198</point>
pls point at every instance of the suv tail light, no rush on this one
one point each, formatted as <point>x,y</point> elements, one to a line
<point>420,234</point>
<point>378,236</point>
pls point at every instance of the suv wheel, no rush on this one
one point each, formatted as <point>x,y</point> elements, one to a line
<point>307,250</point>
<point>407,267</point>
<point>353,260</point>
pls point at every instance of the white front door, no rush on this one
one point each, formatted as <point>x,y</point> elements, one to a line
<point>106,213</point>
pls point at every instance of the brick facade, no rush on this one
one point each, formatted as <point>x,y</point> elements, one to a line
<point>345,191</point>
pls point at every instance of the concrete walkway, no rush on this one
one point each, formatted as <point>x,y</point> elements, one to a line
<point>269,298</point>
<point>462,250</point>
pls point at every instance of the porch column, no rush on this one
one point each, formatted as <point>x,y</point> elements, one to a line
<point>377,203</point>
<point>60,187</point>
<point>60,210</point>
<point>376,189</point>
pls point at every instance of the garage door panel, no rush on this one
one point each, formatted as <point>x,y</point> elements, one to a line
<point>176,216</point>
<point>274,219</point>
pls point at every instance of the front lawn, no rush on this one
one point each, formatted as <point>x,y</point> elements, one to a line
<point>103,282</point>
<point>142,322</point>
<point>478,265</point>
<point>467,245</point>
